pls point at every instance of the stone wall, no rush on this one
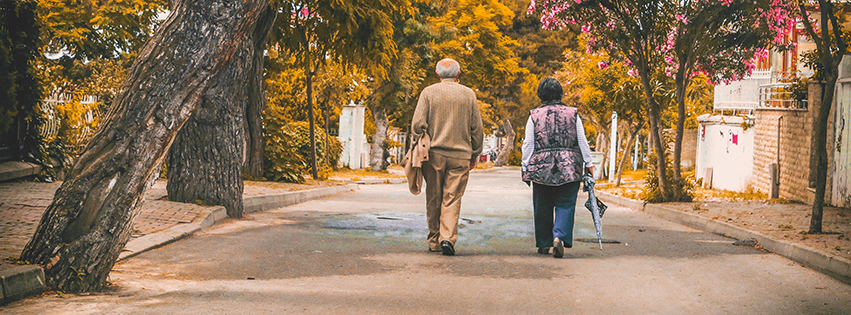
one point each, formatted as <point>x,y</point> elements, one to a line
<point>689,150</point>
<point>689,154</point>
<point>797,136</point>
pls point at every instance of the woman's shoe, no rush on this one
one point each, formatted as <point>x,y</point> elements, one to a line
<point>558,248</point>
<point>543,250</point>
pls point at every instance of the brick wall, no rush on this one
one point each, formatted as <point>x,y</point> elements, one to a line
<point>797,136</point>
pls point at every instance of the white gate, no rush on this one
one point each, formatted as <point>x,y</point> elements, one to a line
<point>841,192</point>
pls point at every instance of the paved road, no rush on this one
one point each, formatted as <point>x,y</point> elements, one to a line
<point>365,252</point>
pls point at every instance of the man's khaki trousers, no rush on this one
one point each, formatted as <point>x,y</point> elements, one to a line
<point>446,181</point>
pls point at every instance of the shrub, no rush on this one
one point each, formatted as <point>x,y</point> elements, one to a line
<point>287,154</point>
<point>679,191</point>
<point>515,158</point>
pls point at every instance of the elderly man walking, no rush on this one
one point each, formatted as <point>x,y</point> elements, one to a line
<point>449,113</point>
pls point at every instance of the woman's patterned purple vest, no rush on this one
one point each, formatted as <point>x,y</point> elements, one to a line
<point>557,159</point>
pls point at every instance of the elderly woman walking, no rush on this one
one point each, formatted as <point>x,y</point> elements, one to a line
<point>555,151</point>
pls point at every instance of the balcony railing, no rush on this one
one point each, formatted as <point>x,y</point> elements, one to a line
<point>780,96</point>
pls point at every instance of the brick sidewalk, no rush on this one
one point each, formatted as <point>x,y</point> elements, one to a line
<point>23,203</point>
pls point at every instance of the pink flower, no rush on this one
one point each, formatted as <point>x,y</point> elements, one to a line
<point>586,28</point>
<point>602,65</point>
<point>682,18</point>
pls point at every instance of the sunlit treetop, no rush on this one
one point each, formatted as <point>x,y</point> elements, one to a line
<point>87,29</point>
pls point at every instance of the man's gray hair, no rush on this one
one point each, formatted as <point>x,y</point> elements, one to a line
<point>448,68</point>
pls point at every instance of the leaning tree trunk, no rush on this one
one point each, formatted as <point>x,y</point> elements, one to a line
<point>502,157</point>
<point>377,162</point>
<point>257,97</point>
<point>627,152</point>
<point>83,231</point>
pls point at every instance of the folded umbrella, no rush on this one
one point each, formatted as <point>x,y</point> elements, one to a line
<point>595,206</point>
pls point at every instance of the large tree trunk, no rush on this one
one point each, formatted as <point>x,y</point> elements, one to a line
<point>654,113</point>
<point>627,152</point>
<point>257,97</point>
<point>821,148</point>
<point>502,157</point>
<point>205,160</point>
<point>831,63</point>
<point>85,228</point>
<point>312,121</point>
<point>682,85</point>
<point>377,162</point>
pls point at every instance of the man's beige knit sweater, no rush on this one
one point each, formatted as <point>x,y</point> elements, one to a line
<point>449,113</point>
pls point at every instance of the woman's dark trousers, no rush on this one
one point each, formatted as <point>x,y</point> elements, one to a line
<point>562,201</point>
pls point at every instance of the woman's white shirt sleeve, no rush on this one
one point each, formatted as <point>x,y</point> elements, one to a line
<point>528,143</point>
<point>583,142</point>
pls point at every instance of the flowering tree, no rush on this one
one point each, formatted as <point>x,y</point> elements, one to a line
<point>686,38</point>
<point>722,40</point>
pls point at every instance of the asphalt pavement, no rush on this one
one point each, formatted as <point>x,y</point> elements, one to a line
<point>365,252</point>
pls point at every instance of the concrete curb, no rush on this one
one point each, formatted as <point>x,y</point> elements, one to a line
<point>14,170</point>
<point>145,243</point>
<point>20,282</point>
<point>833,266</point>
<point>377,181</point>
<point>261,203</point>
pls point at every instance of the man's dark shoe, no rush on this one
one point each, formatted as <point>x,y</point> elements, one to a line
<point>448,249</point>
<point>543,250</point>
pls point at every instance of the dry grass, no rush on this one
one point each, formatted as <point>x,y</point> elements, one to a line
<point>750,194</point>
<point>629,176</point>
<point>633,190</point>
<point>393,171</point>
<point>484,165</point>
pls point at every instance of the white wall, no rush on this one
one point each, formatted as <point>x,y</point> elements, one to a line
<point>355,147</point>
<point>724,146</point>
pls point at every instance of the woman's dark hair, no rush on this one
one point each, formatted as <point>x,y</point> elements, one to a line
<point>550,90</point>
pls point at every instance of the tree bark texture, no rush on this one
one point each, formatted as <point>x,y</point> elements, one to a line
<point>821,149</point>
<point>82,232</point>
<point>831,63</point>
<point>682,85</point>
<point>654,113</point>
<point>311,118</point>
<point>205,162</point>
<point>257,97</point>
<point>502,157</point>
<point>377,162</point>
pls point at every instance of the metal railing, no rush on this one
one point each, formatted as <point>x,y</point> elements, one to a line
<point>49,129</point>
<point>780,96</point>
